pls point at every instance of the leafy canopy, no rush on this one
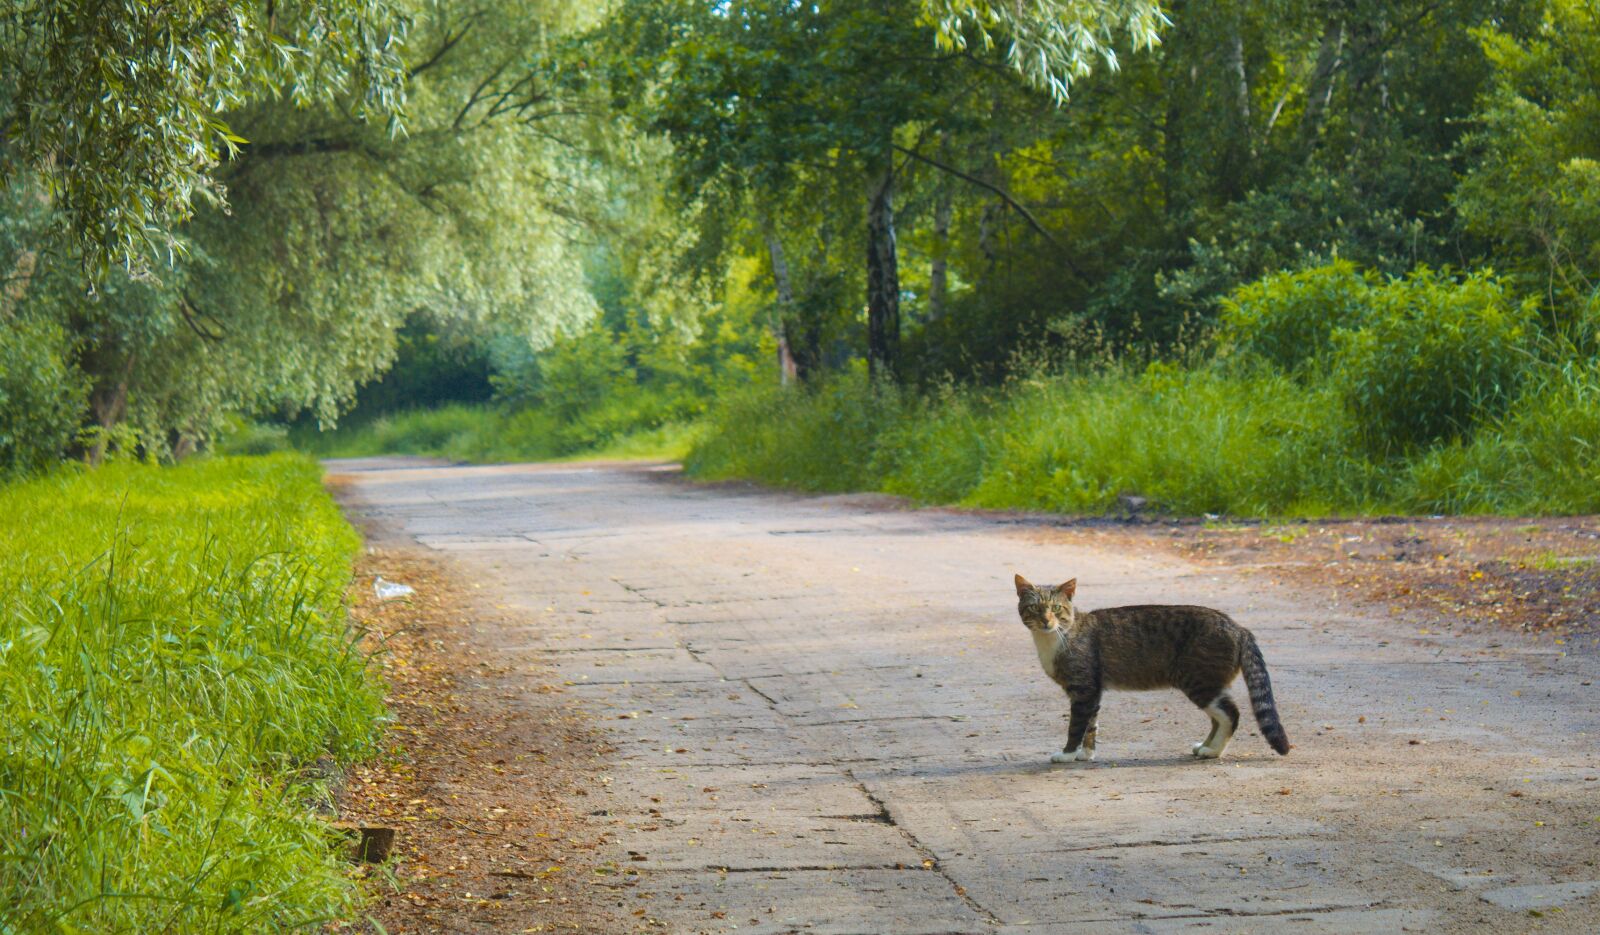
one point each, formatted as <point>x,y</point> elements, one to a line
<point>1051,43</point>
<point>119,104</point>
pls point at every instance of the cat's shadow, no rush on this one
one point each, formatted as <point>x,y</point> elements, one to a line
<point>1023,766</point>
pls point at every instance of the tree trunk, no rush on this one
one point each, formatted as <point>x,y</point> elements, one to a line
<point>1241,85</point>
<point>939,274</point>
<point>183,445</point>
<point>16,285</point>
<point>1319,90</point>
<point>1178,80</point>
<point>1239,152</point>
<point>788,370</point>
<point>883,279</point>
<point>109,403</point>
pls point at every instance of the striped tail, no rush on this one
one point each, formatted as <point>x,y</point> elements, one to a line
<point>1255,678</point>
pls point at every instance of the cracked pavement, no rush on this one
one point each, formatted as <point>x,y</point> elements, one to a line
<point>828,719</point>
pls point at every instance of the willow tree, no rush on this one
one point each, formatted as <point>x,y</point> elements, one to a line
<point>337,228</point>
<point>118,107</point>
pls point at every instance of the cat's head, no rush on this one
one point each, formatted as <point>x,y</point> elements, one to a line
<point>1044,607</point>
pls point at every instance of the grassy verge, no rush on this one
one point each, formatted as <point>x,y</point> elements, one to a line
<point>490,434</point>
<point>1206,440</point>
<point>173,659</point>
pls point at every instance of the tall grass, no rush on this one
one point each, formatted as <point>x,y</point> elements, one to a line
<point>173,660</point>
<point>1211,439</point>
<point>1543,456</point>
<point>485,433</point>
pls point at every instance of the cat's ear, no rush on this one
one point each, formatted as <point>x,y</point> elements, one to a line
<point>1023,587</point>
<point>1068,589</point>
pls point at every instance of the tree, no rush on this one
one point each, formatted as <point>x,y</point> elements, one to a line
<point>1051,43</point>
<point>1534,187</point>
<point>338,231</point>
<point>767,103</point>
<point>118,105</point>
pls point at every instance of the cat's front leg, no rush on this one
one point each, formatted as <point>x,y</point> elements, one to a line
<point>1085,712</point>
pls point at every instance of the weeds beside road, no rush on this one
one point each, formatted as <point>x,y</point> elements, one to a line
<point>176,672</point>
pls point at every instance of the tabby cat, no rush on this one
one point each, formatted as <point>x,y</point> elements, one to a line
<point>1196,650</point>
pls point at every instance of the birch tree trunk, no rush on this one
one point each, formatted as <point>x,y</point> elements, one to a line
<point>788,370</point>
<point>883,279</point>
<point>939,273</point>
<point>1319,90</point>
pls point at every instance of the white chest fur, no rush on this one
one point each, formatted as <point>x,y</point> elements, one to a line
<point>1048,643</point>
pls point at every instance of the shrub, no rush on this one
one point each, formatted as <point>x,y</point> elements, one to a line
<point>1543,456</point>
<point>939,449</point>
<point>41,395</point>
<point>810,438</point>
<point>1198,441</point>
<point>1191,441</point>
<point>1434,356</point>
<point>1288,319</point>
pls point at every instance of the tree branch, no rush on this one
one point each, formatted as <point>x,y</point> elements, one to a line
<point>1005,196</point>
<point>191,317</point>
<point>443,50</point>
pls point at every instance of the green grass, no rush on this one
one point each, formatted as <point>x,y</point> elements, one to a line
<point>174,659</point>
<point>491,434</point>
<point>1192,441</point>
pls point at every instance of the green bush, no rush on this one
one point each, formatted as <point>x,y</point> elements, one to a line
<point>938,451</point>
<point>174,658</point>
<point>489,433</point>
<point>1288,319</point>
<point>41,395</point>
<point>239,437</point>
<point>1434,356</point>
<point>1191,441</point>
<point>811,438</point>
<point>1543,456</point>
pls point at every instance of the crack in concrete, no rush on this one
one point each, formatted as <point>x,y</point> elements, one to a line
<point>954,718</point>
<point>930,859</point>
<point>639,593</point>
<point>1190,842</point>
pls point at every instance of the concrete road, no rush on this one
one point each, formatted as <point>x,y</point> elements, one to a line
<point>828,719</point>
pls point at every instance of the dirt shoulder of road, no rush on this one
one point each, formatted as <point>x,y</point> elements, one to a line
<point>1537,579</point>
<point>1534,576</point>
<point>485,773</point>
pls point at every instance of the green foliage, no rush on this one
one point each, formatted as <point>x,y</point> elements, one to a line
<point>1542,456</point>
<point>433,365</point>
<point>1049,42</point>
<point>1533,188</point>
<point>173,659</point>
<point>822,438</point>
<point>336,229</point>
<point>1413,360</point>
<point>119,104</point>
<point>1289,319</point>
<point>1190,441</point>
<point>1434,356</point>
<point>1211,439</point>
<point>489,434</point>
<point>41,395</point>
<point>1193,441</point>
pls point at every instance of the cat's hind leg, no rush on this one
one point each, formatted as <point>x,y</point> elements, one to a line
<point>1224,716</point>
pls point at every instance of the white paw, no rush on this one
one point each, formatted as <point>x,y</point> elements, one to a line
<point>1205,753</point>
<point>1071,757</point>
